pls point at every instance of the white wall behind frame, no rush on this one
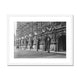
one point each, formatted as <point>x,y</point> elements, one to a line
<point>39,7</point>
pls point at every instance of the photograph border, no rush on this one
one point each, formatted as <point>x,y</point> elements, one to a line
<point>21,63</point>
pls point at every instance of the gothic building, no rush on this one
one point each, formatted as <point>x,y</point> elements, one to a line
<point>32,31</point>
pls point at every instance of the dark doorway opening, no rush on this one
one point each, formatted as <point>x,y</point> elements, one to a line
<point>62,43</point>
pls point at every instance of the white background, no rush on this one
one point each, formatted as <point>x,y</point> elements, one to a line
<point>34,7</point>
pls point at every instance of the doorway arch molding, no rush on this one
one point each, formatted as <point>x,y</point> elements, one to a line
<point>58,36</point>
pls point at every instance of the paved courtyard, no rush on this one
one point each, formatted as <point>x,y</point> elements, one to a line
<point>19,53</point>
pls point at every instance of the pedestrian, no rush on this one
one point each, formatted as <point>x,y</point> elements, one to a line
<point>48,43</point>
<point>26,43</point>
<point>31,44</point>
<point>17,44</point>
<point>38,44</point>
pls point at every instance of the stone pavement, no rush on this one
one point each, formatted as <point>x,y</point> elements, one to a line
<point>26,53</point>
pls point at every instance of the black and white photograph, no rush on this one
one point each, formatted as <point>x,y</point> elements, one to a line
<point>40,39</point>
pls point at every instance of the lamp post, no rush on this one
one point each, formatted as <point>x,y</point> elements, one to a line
<point>54,32</point>
<point>35,40</point>
<point>29,45</point>
<point>22,43</point>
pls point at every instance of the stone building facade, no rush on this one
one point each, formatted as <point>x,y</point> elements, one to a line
<point>28,33</point>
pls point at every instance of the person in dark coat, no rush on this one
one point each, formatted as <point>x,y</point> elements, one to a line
<point>31,46</point>
<point>26,44</point>
<point>38,44</point>
<point>17,44</point>
<point>48,44</point>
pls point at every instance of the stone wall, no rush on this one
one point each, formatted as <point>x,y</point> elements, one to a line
<point>41,29</point>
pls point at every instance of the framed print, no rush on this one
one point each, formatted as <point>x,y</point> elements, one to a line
<point>40,40</point>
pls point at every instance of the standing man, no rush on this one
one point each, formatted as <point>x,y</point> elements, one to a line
<point>45,42</point>
<point>26,43</point>
<point>48,43</point>
<point>38,44</point>
<point>32,44</point>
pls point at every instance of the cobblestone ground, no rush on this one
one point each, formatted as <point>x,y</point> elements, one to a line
<point>19,53</point>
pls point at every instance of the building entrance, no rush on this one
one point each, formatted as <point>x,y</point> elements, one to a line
<point>62,43</point>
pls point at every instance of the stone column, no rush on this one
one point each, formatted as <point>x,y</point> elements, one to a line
<point>22,43</point>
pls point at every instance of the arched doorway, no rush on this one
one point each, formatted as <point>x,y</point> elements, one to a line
<point>62,43</point>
